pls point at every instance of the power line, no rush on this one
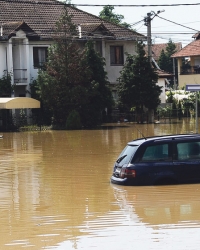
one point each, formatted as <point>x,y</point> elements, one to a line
<point>99,5</point>
<point>136,5</point>
<point>177,23</point>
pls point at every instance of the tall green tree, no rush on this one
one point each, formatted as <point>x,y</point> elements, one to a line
<point>74,80</point>
<point>137,83</point>
<point>99,93</point>
<point>61,86</point>
<point>108,15</point>
<point>165,61</point>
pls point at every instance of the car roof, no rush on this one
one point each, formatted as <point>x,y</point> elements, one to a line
<point>163,137</point>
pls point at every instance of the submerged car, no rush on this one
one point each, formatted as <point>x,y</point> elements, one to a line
<point>159,160</point>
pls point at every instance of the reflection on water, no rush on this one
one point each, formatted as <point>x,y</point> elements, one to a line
<point>55,193</point>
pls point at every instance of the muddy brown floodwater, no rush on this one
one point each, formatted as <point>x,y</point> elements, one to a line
<point>55,193</point>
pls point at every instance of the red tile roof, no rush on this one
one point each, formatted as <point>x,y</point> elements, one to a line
<point>158,47</point>
<point>196,36</point>
<point>41,17</point>
<point>163,74</point>
<point>192,49</point>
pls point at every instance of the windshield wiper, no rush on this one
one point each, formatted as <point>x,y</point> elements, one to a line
<point>121,158</point>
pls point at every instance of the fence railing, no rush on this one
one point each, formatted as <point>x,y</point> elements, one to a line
<point>20,75</point>
<point>158,116</point>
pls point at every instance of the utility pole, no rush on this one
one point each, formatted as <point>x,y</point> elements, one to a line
<point>147,21</point>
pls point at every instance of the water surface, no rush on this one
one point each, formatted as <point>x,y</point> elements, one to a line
<point>55,193</point>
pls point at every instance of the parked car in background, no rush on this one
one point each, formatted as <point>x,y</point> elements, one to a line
<point>159,160</point>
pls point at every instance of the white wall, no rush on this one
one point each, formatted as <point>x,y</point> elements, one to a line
<point>3,58</point>
<point>114,71</point>
<point>161,83</point>
<point>34,72</point>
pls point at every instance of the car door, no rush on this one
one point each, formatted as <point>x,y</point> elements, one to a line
<point>186,161</point>
<point>155,164</point>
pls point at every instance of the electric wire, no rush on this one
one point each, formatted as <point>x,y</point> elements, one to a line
<point>153,34</point>
<point>139,5</point>
<point>176,23</point>
<point>100,5</point>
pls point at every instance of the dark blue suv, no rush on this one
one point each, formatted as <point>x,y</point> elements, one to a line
<point>160,160</point>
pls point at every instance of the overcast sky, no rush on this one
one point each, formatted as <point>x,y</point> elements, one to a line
<point>162,30</point>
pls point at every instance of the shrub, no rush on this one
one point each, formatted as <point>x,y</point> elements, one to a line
<point>73,120</point>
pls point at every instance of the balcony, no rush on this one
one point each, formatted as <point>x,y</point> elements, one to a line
<point>190,70</point>
<point>20,76</point>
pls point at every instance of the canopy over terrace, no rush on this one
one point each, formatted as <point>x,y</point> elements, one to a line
<point>18,103</point>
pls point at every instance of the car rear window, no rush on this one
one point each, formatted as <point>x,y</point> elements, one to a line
<point>127,154</point>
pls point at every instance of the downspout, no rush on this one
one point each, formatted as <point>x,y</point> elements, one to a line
<point>174,73</point>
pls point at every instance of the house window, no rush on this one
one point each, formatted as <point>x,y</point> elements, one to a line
<point>116,55</point>
<point>39,56</point>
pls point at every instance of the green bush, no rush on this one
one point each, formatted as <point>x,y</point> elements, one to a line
<point>73,120</point>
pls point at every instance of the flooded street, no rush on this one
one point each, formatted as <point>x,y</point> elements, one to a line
<point>55,193</point>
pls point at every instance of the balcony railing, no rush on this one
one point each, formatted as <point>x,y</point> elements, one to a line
<point>189,70</point>
<point>20,75</point>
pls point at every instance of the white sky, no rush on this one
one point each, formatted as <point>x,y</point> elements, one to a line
<point>162,30</point>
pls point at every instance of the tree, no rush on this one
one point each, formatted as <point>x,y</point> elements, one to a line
<point>165,61</point>
<point>108,15</point>
<point>61,86</point>
<point>74,79</point>
<point>99,93</point>
<point>137,83</point>
<point>5,85</point>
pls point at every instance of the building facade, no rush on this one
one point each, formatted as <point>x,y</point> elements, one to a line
<point>189,63</point>
<point>27,30</point>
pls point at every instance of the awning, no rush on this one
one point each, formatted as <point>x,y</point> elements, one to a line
<point>18,103</point>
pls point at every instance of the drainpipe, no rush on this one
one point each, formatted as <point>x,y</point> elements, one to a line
<point>1,30</point>
<point>174,73</point>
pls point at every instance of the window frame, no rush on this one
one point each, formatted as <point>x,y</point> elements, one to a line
<point>186,156</point>
<point>116,55</point>
<point>36,58</point>
<point>158,159</point>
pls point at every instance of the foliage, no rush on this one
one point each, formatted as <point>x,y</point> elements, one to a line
<point>99,93</point>
<point>73,80</point>
<point>5,85</point>
<point>73,120</point>
<point>170,97</point>
<point>165,61</point>
<point>137,83</point>
<point>108,15</point>
<point>59,87</point>
<point>22,118</point>
<point>164,111</point>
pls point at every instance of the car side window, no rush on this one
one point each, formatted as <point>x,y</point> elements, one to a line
<point>158,152</point>
<point>188,150</point>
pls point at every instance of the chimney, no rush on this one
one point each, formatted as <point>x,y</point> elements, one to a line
<point>79,31</point>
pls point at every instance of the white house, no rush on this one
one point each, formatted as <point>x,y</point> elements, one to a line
<point>27,29</point>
